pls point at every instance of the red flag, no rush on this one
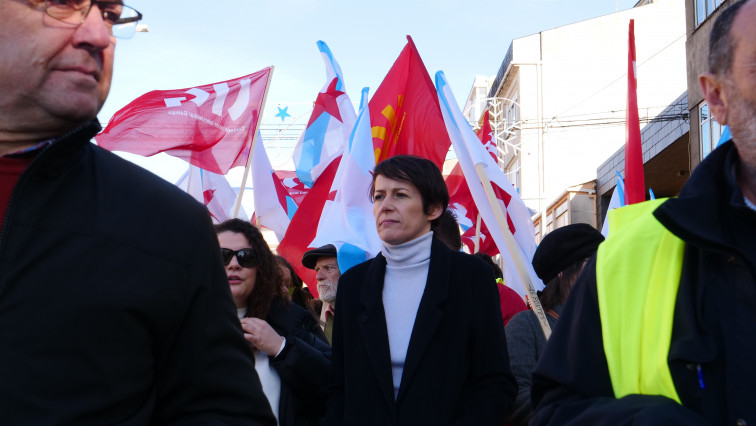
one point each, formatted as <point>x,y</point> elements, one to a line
<point>404,112</point>
<point>304,224</point>
<point>461,201</point>
<point>635,187</point>
<point>209,126</point>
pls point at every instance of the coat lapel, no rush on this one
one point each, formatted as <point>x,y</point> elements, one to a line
<point>429,313</point>
<point>372,321</point>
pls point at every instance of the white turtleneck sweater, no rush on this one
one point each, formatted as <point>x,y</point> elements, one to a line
<point>403,287</point>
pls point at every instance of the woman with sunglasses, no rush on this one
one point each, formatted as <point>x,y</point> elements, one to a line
<point>292,356</point>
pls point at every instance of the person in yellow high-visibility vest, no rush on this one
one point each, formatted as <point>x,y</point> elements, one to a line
<point>661,326</point>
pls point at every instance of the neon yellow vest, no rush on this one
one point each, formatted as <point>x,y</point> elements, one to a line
<point>637,276</point>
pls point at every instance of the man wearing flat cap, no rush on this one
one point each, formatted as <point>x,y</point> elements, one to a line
<point>323,261</point>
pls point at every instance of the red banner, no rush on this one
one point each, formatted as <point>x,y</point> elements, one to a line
<point>635,186</point>
<point>209,126</point>
<point>404,112</point>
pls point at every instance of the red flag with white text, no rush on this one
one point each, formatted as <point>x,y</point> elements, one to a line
<point>209,126</point>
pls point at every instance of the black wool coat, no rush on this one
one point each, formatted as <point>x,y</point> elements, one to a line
<point>456,369</point>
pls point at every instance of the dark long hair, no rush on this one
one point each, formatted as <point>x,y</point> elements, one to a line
<point>557,290</point>
<point>268,279</point>
<point>298,294</point>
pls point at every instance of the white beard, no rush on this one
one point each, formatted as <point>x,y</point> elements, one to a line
<point>327,291</point>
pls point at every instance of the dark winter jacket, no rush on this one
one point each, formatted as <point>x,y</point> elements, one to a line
<point>457,368</point>
<point>525,343</point>
<point>304,365</point>
<point>712,346</point>
<point>114,306</point>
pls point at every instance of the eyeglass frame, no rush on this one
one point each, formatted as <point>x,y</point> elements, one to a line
<point>98,3</point>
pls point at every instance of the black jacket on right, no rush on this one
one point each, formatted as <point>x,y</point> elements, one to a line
<point>304,365</point>
<point>711,356</point>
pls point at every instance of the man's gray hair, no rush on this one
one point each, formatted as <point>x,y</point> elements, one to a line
<point>721,42</point>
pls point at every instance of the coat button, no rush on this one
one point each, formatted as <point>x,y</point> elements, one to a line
<point>363,318</point>
<point>740,422</point>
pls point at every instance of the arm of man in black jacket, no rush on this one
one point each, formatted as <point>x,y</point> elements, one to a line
<point>571,384</point>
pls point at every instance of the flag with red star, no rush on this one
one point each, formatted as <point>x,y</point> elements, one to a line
<point>462,204</point>
<point>471,153</point>
<point>347,220</point>
<point>329,125</point>
<point>274,207</point>
<point>304,224</point>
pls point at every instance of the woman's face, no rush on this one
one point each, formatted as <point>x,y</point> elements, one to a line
<point>240,279</point>
<point>398,211</point>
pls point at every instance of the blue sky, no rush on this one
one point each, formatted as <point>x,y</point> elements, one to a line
<point>192,43</point>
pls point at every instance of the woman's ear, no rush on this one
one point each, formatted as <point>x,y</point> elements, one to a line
<point>434,212</point>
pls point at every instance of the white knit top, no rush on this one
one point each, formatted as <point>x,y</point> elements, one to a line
<point>403,287</point>
<point>269,378</point>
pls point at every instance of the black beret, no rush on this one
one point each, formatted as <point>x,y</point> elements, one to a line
<point>564,246</point>
<point>310,258</point>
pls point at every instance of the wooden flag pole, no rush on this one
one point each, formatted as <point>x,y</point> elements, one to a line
<point>477,234</point>
<point>252,146</point>
<point>514,251</point>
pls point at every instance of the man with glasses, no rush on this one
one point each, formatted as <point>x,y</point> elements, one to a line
<point>114,307</point>
<point>323,260</point>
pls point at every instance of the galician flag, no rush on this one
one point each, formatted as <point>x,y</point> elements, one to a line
<point>329,126</point>
<point>347,220</point>
<point>470,152</point>
<point>209,126</point>
<point>617,201</point>
<point>212,190</point>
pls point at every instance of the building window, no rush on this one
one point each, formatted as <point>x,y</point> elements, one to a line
<point>710,131</point>
<point>704,8</point>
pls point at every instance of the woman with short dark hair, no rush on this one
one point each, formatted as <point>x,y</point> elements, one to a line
<point>418,338</point>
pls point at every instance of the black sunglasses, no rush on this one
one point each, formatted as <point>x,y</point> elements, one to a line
<point>246,257</point>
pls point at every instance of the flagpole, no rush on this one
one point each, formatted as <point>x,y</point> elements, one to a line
<point>252,147</point>
<point>514,251</point>
<point>477,234</point>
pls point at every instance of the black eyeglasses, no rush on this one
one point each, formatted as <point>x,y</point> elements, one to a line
<point>120,19</point>
<point>246,257</point>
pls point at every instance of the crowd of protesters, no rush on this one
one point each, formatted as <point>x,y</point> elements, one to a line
<point>652,326</point>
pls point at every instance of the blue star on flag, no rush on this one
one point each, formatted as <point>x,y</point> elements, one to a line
<point>282,112</point>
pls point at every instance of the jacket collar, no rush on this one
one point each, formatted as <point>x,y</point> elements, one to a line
<point>709,203</point>
<point>429,316</point>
